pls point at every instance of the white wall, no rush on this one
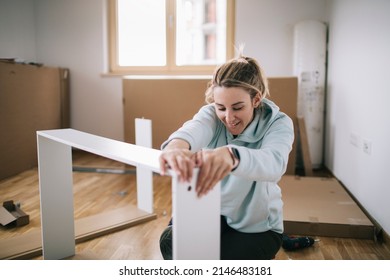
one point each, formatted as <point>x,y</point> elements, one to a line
<point>358,101</point>
<point>72,34</point>
<point>17,30</point>
<point>266,28</point>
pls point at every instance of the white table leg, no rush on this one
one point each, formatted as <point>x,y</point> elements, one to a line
<point>196,222</point>
<point>145,189</point>
<point>143,137</point>
<point>56,195</point>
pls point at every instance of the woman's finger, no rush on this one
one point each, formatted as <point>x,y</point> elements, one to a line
<point>213,168</point>
<point>212,179</point>
<point>181,161</point>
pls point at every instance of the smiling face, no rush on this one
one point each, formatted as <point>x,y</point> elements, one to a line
<point>235,108</point>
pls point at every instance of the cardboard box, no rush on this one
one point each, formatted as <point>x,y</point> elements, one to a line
<point>322,207</point>
<point>31,98</point>
<point>12,216</point>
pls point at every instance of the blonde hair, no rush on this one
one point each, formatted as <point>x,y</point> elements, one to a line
<point>243,72</point>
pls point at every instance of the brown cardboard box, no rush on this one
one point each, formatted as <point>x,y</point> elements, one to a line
<point>12,216</point>
<point>322,207</point>
<point>31,98</point>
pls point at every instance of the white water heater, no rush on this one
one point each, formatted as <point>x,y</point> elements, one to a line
<point>310,43</point>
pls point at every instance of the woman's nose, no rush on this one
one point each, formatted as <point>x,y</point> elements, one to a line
<point>229,116</point>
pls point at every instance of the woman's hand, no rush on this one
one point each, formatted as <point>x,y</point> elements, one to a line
<point>214,166</point>
<point>179,158</point>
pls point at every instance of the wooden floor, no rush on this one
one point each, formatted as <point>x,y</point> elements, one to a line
<point>96,192</point>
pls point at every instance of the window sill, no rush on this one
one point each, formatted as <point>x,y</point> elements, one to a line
<point>157,77</point>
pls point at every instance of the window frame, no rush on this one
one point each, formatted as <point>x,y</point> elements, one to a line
<point>171,68</point>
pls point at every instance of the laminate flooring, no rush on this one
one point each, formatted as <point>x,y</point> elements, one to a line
<point>113,186</point>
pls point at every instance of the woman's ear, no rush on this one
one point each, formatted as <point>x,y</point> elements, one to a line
<point>256,100</point>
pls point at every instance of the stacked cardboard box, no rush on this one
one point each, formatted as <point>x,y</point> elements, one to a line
<point>32,97</point>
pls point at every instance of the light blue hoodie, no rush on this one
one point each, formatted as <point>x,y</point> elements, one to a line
<point>251,199</point>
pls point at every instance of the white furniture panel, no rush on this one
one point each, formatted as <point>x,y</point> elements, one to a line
<point>197,220</point>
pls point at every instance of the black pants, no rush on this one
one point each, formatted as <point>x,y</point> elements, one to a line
<point>235,245</point>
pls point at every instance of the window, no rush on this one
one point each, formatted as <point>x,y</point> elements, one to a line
<point>170,36</point>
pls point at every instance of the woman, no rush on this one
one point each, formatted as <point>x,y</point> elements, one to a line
<point>243,139</point>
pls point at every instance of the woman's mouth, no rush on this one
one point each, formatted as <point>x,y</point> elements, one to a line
<point>234,124</point>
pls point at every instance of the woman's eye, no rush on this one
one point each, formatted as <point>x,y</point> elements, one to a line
<point>222,109</point>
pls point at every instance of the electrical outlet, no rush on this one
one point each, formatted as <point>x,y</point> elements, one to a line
<point>367,146</point>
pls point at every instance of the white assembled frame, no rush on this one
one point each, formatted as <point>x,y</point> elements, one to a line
<point>196,226</point>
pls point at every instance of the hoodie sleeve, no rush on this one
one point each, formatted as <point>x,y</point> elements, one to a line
<point>199,131</point>
<point>269,161</point>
